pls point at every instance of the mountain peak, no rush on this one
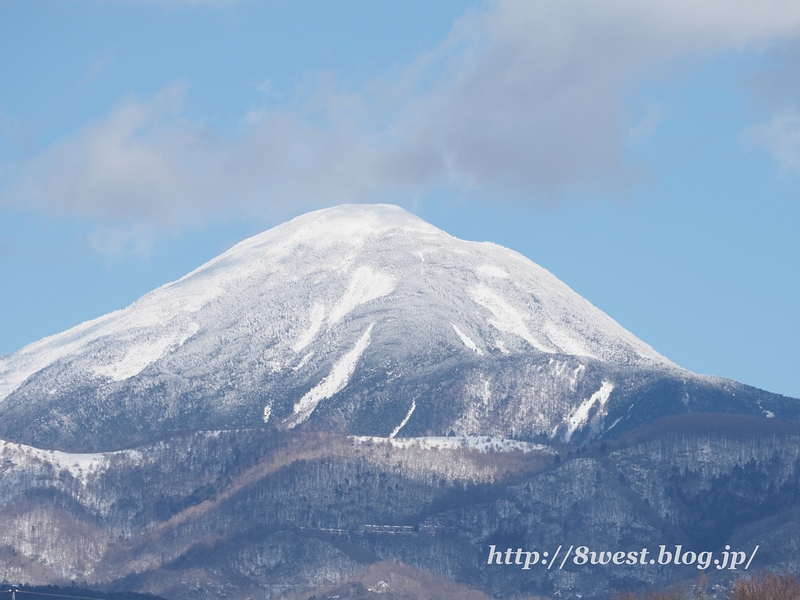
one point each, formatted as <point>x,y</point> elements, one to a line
<point>346,223</point>
<point>358,318</point>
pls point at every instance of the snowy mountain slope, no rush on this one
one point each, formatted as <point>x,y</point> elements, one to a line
<point>359,319</point>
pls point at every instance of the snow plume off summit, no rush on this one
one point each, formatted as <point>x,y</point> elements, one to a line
<point>362,320</point>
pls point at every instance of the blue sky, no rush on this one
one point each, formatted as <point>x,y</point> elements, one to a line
<point>646,153</point>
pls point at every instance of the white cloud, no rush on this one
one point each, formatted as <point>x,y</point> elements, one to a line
<point>781,137</point>
<point>145,161</point>
<point>526,96</point>
<point>114,168</point>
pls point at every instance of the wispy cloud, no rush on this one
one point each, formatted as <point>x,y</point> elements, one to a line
<point>96,69</point>
<point>526,96</point>
<point>22,135</point>
<point>7,250</point>
<point>116,241</point>
<point>781,137</point>
<point>646,126</point>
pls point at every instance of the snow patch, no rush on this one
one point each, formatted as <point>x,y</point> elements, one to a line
<point>316,319</point>
<point>303,361</point>
<point>466,340</point>
<point>580,415</point>
<point>506,317</point>
<point>144,353</point>
<point>404,421</point>
<point>566,343</point>
<point>575,375</point>
<point>336,381</point>
<point>501,345</point>
<point>365,284</point>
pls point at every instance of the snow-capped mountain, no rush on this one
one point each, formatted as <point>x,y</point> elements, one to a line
<point>358,319</point>
<point>355,388</point>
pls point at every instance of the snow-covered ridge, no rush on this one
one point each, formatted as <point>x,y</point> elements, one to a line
<point>80,466</point>
<point>481,443</point>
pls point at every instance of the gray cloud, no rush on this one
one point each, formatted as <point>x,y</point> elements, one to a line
<point>526,97</point>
